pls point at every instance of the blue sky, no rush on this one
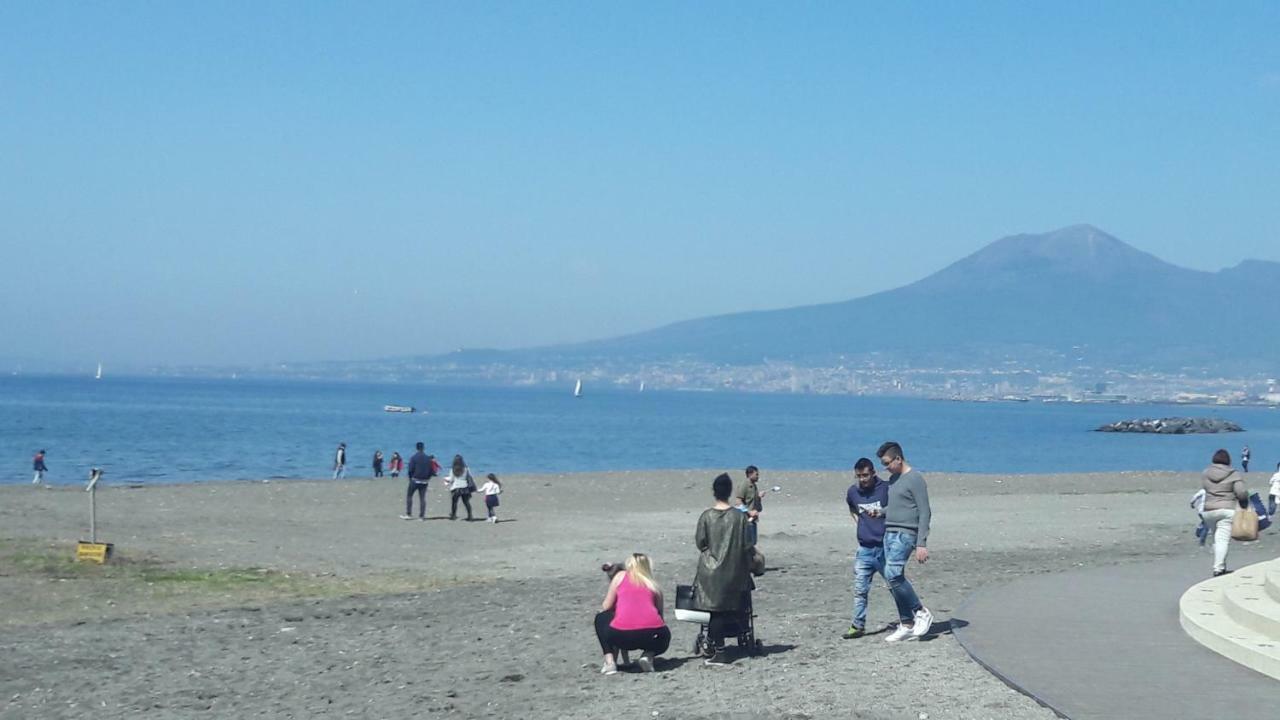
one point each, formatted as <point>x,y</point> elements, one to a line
<point>263,182</point>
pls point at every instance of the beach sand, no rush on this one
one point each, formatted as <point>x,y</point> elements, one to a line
<point>311,599</point>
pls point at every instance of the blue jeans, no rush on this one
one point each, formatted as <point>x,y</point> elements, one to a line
<point>898,546</point>
<point>868,562</point>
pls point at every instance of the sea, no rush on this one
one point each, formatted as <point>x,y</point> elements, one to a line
<point>143,430</point>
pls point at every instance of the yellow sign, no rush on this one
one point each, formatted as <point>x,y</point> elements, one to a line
<point>93,552</point>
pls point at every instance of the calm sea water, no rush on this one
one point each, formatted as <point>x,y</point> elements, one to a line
<point>173,430</point>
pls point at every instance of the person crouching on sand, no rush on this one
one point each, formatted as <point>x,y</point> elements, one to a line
<point>397,464</point>
<point>630,617</point>
<point>492,488</point>
<point>461,485</point>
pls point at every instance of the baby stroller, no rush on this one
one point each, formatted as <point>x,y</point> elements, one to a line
<point>743,627</point>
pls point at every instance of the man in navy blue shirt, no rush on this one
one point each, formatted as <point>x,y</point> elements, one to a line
<point>868,499</point>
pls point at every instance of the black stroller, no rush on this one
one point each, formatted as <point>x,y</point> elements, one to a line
<point>743,627</point>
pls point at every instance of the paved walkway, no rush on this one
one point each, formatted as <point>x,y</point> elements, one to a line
<point>1105,642</point>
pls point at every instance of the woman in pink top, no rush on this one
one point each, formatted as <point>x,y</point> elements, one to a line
<point>630,617</point>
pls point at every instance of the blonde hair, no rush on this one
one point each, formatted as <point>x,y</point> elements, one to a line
<point>640,571</point>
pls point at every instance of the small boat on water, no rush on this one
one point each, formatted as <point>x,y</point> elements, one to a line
<point>398,408</point>
<point>98,375</point>
<point>577,389</point>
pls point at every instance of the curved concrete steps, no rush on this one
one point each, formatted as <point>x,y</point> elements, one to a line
<point>1238,616</point>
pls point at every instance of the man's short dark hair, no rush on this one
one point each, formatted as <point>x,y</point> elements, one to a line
<point>419,446</point>
<point>1222,457</point>
<point>751,469</point>
<point>722,487</point>
<point>890,449</point>
<point>864,464</point>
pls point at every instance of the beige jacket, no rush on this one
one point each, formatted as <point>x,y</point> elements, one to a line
<point>1223,488</point>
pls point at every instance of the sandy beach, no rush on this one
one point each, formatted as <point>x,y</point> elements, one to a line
<point>311,599</point>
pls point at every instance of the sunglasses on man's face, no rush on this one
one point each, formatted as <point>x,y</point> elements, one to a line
<point>889,463</point>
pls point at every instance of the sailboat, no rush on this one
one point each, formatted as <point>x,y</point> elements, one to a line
<point>577,389</point>
<point>98,375</point>
<point>641,386</point>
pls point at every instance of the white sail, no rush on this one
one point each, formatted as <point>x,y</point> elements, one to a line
<point>577,389</point>
<point>98,376</point>
<point>641,386</point>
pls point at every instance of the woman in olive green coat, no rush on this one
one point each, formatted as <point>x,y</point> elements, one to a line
<point>724,566</point>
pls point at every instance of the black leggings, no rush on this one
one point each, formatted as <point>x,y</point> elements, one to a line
<point>653,640</point>
<point>421,489</point>
<point>453,503</point>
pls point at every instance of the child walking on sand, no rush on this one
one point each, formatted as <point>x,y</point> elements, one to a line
<point>492,488</point>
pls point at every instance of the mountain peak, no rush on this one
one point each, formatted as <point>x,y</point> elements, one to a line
<point>1075,250</point>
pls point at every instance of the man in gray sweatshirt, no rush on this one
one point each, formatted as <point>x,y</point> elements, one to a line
<point>906,531</point>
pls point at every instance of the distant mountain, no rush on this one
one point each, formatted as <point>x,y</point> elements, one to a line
<point>1075,296</point>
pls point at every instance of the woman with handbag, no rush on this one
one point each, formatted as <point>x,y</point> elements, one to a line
<point>1224,492</point>
<point>461,485</point>
<point>722,582</point>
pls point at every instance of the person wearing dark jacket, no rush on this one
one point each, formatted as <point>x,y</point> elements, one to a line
<point>37,464</point>
<point>723,578</point>
<point>1224,491</point>
<point>420,471</point>
<point>340,461</point>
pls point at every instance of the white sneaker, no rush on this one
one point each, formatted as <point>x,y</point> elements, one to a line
<point>406,517</point>
<point>924,621</point>
<point>901,633</point>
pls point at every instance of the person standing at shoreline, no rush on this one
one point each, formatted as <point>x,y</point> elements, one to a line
<point>1224,491</point>
<point>1275,492</point>
<point>1244,458</point>
<point>906,530</point>
<point>377,463</point>
<point>397,464</point>
<point>420,472</point>
<point>37,464</point>
<point>867,500</point>
<point>340,461</point>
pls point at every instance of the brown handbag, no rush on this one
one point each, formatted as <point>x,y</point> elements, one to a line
<point>1244,525</point>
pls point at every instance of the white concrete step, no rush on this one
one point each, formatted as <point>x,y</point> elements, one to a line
<point>1247,601</point>
<point>1272,583</point>
<point>1208,615</point>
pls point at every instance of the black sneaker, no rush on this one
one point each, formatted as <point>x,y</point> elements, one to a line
<point>719,658</point>
<point>1216,573</point>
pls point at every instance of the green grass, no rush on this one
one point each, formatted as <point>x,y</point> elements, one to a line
<point>41,582</point>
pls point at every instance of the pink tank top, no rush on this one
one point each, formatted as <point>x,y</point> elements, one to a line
<point>634,609</point>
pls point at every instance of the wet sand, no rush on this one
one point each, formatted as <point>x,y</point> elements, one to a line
<point>366,615</point>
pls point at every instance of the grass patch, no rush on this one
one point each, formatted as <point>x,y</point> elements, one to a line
<point>41,582</point>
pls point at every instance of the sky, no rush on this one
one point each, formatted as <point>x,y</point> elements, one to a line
<point>261,182</point>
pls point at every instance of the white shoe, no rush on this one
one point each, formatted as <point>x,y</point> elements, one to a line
<point>406,517</point>
<point>924,621</point>
<point>645,663</point>
<point>901,633</point>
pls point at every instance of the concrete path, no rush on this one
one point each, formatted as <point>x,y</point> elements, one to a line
<point>1106,643</point>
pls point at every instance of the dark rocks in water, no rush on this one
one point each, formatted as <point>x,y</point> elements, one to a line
<point>1172,426</point>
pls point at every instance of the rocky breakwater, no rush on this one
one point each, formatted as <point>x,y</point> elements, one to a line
<point>1172,426</point>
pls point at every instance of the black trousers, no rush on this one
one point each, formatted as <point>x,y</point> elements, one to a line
<point>421,489</point>
<point>453,503</point>
<point>653,640</point>
<point>724,624</point>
